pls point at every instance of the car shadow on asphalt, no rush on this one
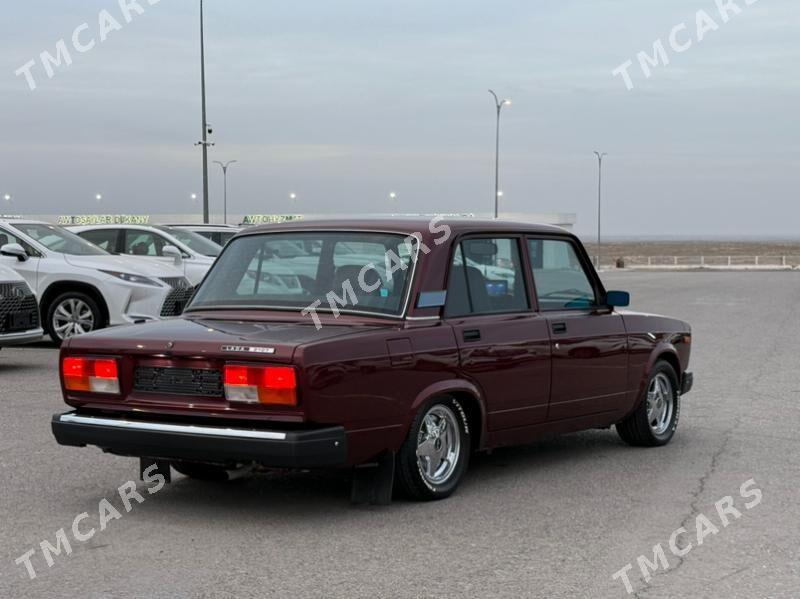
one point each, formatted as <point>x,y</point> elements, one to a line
<point>318,494</point>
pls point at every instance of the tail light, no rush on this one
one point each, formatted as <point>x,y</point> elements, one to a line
<point>274,385</point>
<point>92,375</point>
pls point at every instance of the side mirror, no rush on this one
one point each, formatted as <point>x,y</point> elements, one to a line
<point>14,250</point>
<point>170,251</point>
<point>618,299</point>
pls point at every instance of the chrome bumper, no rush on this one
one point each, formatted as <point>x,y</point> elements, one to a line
<point>307,448</point>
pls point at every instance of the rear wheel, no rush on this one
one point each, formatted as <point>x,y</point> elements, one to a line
<point>434,457</point>
<point>655,420</point>
<point>72,313</point>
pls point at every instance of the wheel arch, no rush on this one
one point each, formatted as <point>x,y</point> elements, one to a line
<point>58,287</point>
<point>470,398</point>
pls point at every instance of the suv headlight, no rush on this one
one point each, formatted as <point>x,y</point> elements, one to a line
<point>131,278</point>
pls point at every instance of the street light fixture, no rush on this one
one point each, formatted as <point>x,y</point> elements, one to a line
<point>98,197</point>
<point>293,196</point>
<point>7,197</point>
<point>225,178</point>
<point>392,196</point>
<point>600,156</point>
<point>497,193</point>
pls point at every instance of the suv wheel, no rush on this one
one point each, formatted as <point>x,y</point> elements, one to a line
<point>434,457</point>
<point>72,313</point>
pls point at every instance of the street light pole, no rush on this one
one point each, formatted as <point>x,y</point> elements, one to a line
<point>499,105</point>
<point>204,141</point>
<point>225,184</point>
<point>600,156</point>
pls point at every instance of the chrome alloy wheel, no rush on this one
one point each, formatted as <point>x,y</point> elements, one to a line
<point>660,403</point>
<point>72,317</point>
<point>438,445</point>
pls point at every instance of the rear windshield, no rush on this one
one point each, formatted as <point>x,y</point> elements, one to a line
<point>293,270</point>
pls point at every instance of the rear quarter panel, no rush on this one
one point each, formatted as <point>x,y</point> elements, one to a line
<point>371,383</point>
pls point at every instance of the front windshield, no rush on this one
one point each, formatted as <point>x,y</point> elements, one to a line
<point>59,240</point>
<point>195,242</point>
<point>370,272</point>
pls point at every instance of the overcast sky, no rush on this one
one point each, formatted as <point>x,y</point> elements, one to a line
<point>344,102</point>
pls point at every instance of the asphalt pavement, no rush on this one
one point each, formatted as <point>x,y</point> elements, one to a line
<point>555,519</point>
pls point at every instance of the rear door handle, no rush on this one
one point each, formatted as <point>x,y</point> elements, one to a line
<point>472,335</point>
<point>559,328</point>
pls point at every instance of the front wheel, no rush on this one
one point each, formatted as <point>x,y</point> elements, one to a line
<point>655,420</point>
<point>434,457</point>
<point>72,313</point>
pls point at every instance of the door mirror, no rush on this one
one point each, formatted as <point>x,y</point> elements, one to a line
<point>14,250</point>
<point>618,299</point>
<point>170,251</point>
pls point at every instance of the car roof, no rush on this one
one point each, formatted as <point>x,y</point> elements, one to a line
<point>201,226</point>
<point>406,225</point>
<point>116,226</point>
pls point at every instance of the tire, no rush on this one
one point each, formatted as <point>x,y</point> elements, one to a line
<point>76,303</point>
<point>432,461</point>
<point>654,422</point>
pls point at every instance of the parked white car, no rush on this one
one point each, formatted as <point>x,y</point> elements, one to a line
<point>184,249</point>
<point>19,312</point>
<point>82,288</point>
<point>219,234</point>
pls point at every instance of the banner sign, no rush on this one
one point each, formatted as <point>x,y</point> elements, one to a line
<point>269,219</point>
<point>104,219</point>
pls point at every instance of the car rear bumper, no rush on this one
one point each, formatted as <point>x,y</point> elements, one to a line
<point>687,383</point>
<point>311,448</point>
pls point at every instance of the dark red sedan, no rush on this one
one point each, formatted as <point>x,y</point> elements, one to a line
<point>395,347</point>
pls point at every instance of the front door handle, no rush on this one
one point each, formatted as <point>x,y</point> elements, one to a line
<point>559,328</point>
<point>472,335</point>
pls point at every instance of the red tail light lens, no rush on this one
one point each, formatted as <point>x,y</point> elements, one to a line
<point>91,375</point>
<point>272,385</point>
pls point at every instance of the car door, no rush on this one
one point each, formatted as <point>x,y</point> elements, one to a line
<point>504,347</point>
<point>29,269</point>
<point>588,340</point>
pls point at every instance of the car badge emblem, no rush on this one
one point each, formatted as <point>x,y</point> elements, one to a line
<point>170,345</point>
<point>247,349</point>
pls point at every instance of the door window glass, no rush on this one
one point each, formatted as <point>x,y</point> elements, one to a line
<point>486,278</point>
<point>560,279</point>
<point>103,238</point>
<point>144,243</point>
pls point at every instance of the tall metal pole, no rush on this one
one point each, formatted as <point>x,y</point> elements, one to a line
<point>600,157</point>
<point>204,141</point>
<point>499,105</point>
<point>225,183</point>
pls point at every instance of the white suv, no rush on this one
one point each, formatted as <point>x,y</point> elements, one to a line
<point>19,313</point>
<point>82,288</point>
<point>184,249</point>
